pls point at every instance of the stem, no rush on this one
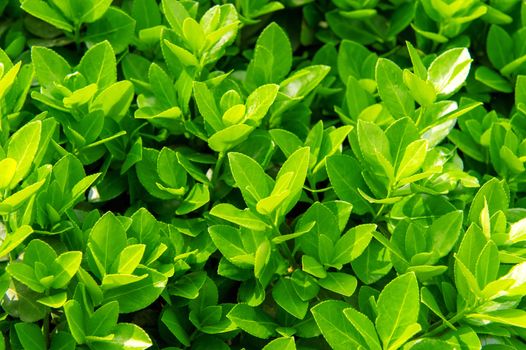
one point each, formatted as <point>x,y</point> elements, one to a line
<point>418,119</point>
<point>77,36</point>
<point>284,246</point>
<point>3,114</point>
<point>314,192</point>
<point>45,328</point>
<point>377,215</point>
<point>440,31</point>
<point>382,207</point>
<point>443,326</point>
<point>217,168</point>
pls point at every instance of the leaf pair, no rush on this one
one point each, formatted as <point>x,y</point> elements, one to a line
<point>397,307</point>
<point>45,272</point>
<point>100,328</point>
<point>237,120</point>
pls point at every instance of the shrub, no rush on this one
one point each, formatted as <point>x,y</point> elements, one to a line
<point>289,174</point>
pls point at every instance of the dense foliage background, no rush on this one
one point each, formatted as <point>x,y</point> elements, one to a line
<point>254,174</point>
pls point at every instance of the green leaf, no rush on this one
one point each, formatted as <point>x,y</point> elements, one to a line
<point>140,294</point>
<point>175,14</point>
<point>375,149</point>
<point>392,90</point>
<point>30,336</point>
<point>444,232</point>
<point>62,341</point>
<point>197,197</point>
<point>75,319</point>
<point>418,66</point>
<point>422,91</point>
<point>304,285</point>
<point>285,296</point>
<point>111,281</point>
<point>352,244</point>
<point>326,225</point>
<point>22,147</point>
<point>373,141</point>
<point>8,79</point>
<point>147,173</point>
<point>339,282</point>
<point>207,106</point>
<point>188,286</point>
<point>285,343</point>
<point>429,300</point>
<point>115,26</point>
<point>15,201</point>
<point>193,170</point>
<point>466,283</point>
<point>373,264</point>
<point>8,165</point>
<point>303,81</point>
<point>356,98</point>
<point>231,136</point>
<point>146,13</point>
<point>220,34</point>
<point>244,218</point>
<point>194,34</point>
<point>171,319</point>
<point>65,267</point>
<point>228,240</point>
<point>400,134</point>
<point>253,321</point>
<point>54,301</point>
<point>98,65</point>
<point>95,10</point>
<point>355,60</point>
<point>80,97</point>
<point>492,79</point>
<point>448,71</point>
<point>364,326</point>
<point>413,159</point>
<point>259,102</point>
<point>234,115</point>
<point>398,306</point>
<point>250,178</point>
<point>330,145</point>
<point>183,55</point>
<point>337,330</point>
<point>499,46</point>
<point>287,237</point>
<point>272,57</point>
<point>516,274</point>
<point>115,100</point>
<point>487,264</point>
<point>297,164</point>
<point>494,194</point>
<point>106,240</point>
<point>346,178</point>
<point>512,317</point>
<point>128,259</point>
<point>436,37</point>
<point>22,303</point>
<point>13,240</point>
<point>45,12</point>
<point>130,336</point>
<point>79,188</point>
<point>169,169</point>
<point>103,320</point>
<point>513,66</point>
<point>312,266</point>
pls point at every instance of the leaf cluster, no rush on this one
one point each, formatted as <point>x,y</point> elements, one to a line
<point>258,174</point>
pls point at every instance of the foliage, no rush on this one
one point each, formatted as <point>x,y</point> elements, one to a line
<point>291,174</point>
